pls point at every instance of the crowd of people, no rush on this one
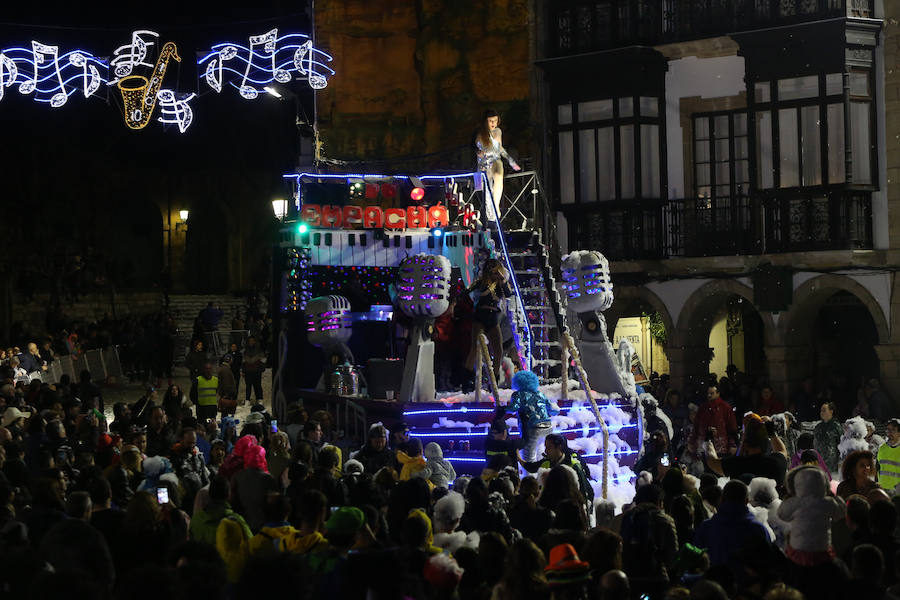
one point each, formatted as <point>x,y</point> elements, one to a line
<point>173,500</point>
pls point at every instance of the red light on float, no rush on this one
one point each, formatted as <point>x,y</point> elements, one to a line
<point>417,194</point>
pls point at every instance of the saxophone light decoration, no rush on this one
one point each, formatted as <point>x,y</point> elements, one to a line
<point>139,94</point>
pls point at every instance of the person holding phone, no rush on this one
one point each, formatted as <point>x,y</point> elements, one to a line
<point>655,450</point>
<point>715,418</point>
<point>753,457</point>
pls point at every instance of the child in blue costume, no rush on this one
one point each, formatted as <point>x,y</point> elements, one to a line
<point>534,412</point>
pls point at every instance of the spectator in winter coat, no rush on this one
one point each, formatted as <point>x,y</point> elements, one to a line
<point>438,470</point>
<point>716,418</point>
<point>206,520</point>
<point>729,530</point>
<point>412,460</point>
<point>375,454</point>
<point>534,411</point>
<point>806,442</point>
<point>827,436</point>
<point>189,465</point>
<point>251,485</point>
<point>650,541</point>
<point>809,511</point>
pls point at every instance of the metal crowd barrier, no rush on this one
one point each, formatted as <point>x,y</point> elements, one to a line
<point>217,342</point>
<point>102,364</point>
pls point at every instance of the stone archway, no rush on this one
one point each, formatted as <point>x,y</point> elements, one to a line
<point>697,311</point>
<point>636,301</point>
<point>689,345</point>
<point>633,299</point>
<point>837,333</point>
<point>810,296</point>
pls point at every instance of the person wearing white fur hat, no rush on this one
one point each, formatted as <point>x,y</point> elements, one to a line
<point>809,512</point>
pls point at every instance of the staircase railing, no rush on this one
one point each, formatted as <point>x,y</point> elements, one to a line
<point>521,315</point>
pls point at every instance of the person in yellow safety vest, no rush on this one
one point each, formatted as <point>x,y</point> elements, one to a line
<point>889,457</point>
<point>207,393</point>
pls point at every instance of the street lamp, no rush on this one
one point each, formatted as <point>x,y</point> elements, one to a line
<point>280,207</point>
<point>183,215</point>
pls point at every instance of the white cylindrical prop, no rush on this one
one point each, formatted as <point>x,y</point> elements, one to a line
<point>423,287</point>
<point>328,320</point>
<point>586,281</point>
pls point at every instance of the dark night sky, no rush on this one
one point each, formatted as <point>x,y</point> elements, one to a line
<point>64,168</point>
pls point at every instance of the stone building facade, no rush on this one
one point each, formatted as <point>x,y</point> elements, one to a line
<point>736,161</point>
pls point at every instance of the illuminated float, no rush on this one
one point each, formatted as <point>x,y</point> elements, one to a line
<point>417,237</point>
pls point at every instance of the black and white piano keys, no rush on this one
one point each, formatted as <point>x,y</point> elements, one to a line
<point>362,248</point>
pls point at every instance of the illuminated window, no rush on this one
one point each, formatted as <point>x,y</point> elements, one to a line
<point>801,131</point>
<point>609,149</point>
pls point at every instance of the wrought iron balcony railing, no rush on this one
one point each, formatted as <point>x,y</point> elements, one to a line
<point>690,227</point>
<point>588,25</point>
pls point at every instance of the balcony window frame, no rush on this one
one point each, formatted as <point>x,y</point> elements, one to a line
<point>714,160</point>
<point>617,122</point>
<point>773,105</point>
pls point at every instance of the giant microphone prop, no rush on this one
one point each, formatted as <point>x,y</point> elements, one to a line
<point>589,291</point>
<point>423,294</point>
<point>328,326</point>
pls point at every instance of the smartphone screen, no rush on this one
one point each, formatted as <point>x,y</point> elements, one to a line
<point>274,426</point>
<point>664,461</point>
<point>162,495</point>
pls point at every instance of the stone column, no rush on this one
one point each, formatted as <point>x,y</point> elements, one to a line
<point>889,357</point>
<point>686,362</point>
<point>788,365</point>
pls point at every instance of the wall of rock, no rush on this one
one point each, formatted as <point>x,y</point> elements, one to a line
<point>414,77</point>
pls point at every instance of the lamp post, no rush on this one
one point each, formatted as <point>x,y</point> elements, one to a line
<point>279,207</point>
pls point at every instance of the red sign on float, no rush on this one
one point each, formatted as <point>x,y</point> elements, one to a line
<point>374,217</point>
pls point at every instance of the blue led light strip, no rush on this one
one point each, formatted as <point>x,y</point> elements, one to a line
<point>462,411</point>
<point>348,176</point>
<point>612,429</point>
<point>484,460</point>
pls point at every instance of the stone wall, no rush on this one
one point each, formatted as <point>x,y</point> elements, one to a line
<point>414,77</point>
<point>32,314</point>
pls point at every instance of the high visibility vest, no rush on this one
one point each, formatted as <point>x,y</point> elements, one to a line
<point>888,466</point>
<point>206,390</point>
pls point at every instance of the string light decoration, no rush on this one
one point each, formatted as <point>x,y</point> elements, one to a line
<point>298,288</point>
<point>139,94</point>
<point>269,58</point>
<point>51,76</point>
<point>371,282</point>
<point>47,76</point>
<point>174,110</point>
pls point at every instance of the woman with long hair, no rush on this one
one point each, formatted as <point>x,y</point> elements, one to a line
<point>492,287</point>
<point>490,153</point>
<point>857,474</point>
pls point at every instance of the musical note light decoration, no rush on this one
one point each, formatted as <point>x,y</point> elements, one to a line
<point>269,58</point>
<point>139,93</point>
<point>49,77</point>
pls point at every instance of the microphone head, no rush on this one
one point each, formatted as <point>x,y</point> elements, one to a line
<point>423,286</point>
<point>328,320</point>
<point>586,281</point>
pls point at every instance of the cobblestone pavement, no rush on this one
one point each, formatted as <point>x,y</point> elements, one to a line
<point>130,392</point>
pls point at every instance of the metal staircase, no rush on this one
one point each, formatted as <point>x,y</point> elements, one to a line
<point>530,259</point>
<point>529,232</point>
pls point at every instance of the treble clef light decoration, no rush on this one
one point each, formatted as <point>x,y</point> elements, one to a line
<point>139,94</point>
